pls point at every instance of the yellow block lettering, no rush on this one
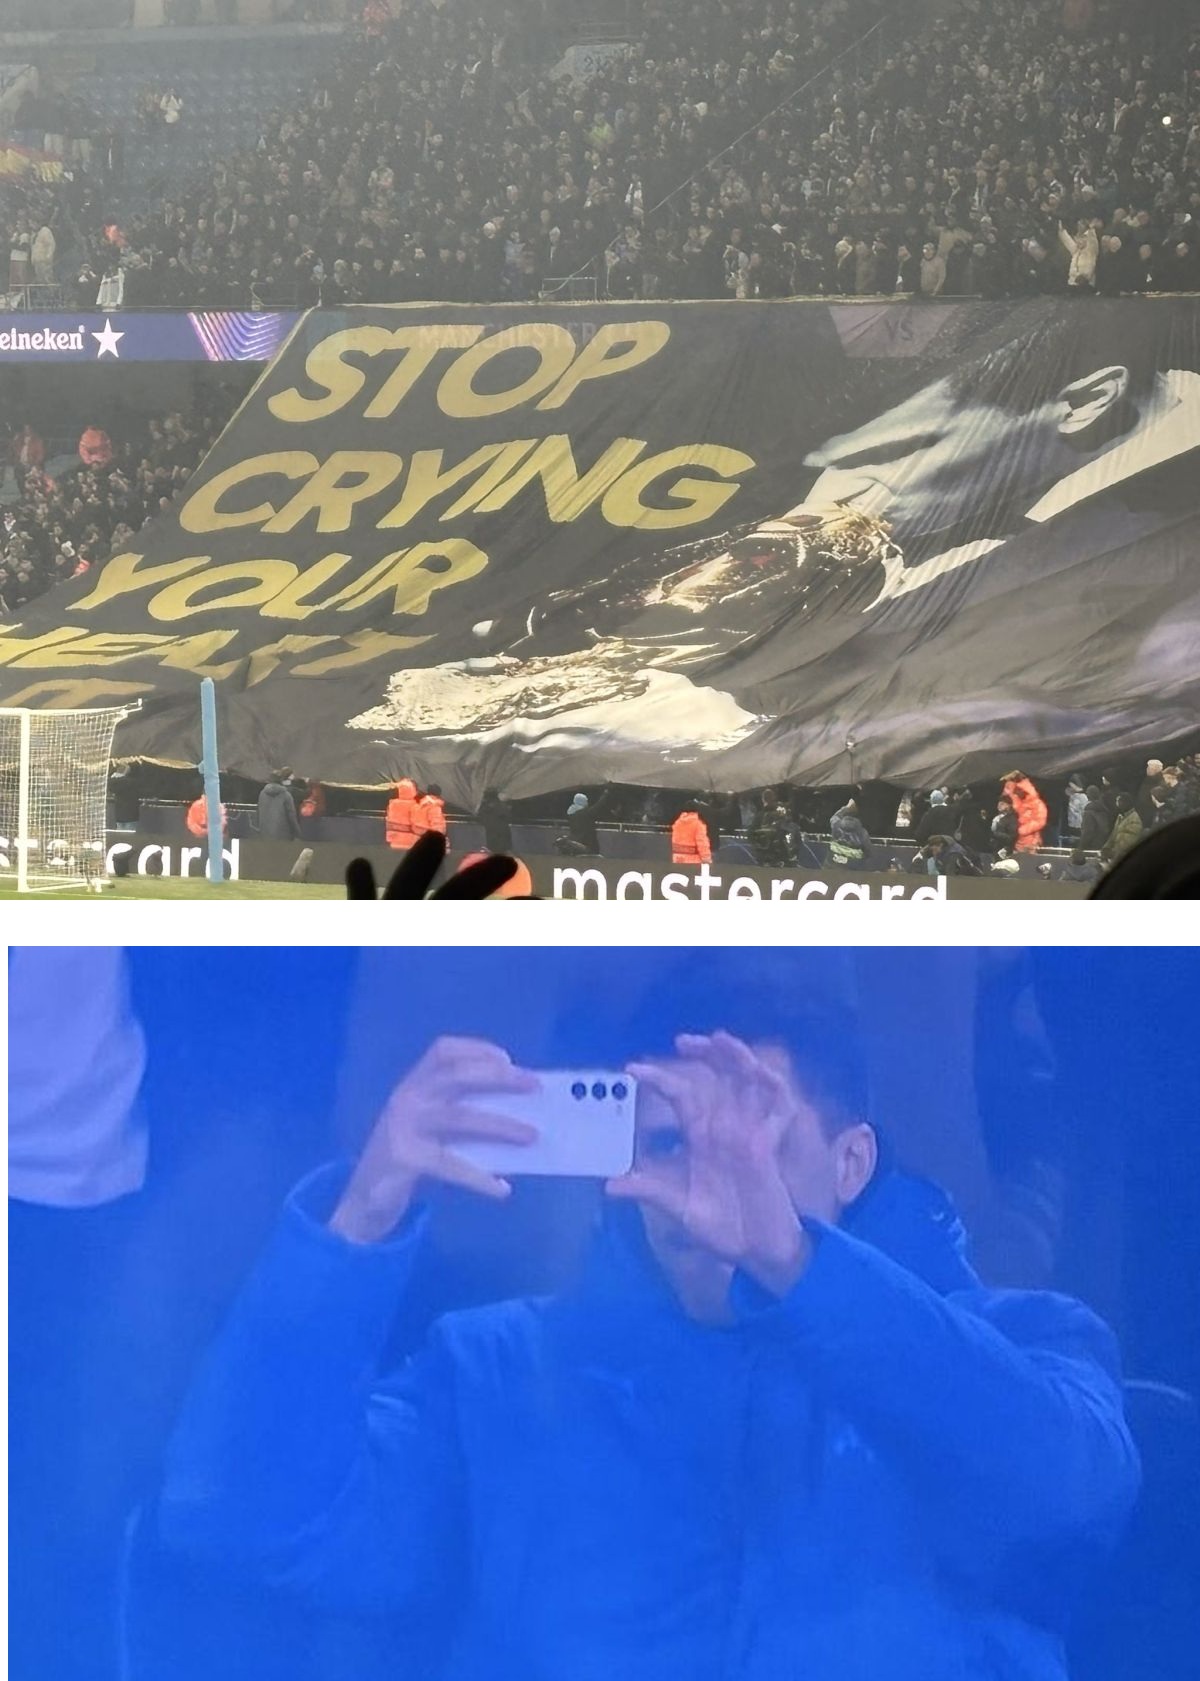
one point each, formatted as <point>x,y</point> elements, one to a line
<point>13,649</point>
<point>567,494</point>
<point>125,573</point>
<point>364,645</point>
<point>555,351</point>
<point>426,478</point>
<point>293,602</point>
<point>100,648</point>
<point>201,513</point>
<point>264,660</point>
<point>86,692</point>
<point>326,366</point>
<point>420,346</point>
<point>700,498</point>
<point>414,574</point>
<point>614,349</point>
<point>195,653</point>
<point>263,580</point>
<point>350,476</point>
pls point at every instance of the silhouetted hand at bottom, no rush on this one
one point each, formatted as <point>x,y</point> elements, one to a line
<point>414,875</point>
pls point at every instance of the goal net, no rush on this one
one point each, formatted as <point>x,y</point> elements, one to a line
<point>54,795</point>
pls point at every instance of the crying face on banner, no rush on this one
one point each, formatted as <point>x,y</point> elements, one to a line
<point>932,486</point>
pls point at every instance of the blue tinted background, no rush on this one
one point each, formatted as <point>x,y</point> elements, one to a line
<point>991,1072</point>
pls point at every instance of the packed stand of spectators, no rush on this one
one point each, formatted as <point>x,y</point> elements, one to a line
<point>55,526</point>
<point>1012,146</point>
<point>1002,831</point>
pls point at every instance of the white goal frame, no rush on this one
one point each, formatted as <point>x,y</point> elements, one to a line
<point>74,812</point>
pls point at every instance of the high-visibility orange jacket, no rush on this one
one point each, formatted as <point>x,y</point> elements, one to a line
<point>430,814</point>
<point>197,818</point>
<point>400,828</point>
<point>1031,812</point>
<point>95,447</point>
<point>689,839</point>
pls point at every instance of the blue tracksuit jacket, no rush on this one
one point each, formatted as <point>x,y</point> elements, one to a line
<point>893,1474</point>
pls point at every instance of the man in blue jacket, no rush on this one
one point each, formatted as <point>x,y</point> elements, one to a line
<point>778,1429</point>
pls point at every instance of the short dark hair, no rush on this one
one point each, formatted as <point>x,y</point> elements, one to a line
<point>762,998</point>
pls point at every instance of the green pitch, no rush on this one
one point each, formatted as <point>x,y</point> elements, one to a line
<point>151,887</point>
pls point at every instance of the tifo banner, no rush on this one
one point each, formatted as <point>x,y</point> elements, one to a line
<point>213,335</point>
<point>685,545</point>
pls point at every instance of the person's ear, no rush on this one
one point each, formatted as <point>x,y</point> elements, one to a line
<point>1093,403</point>
<point>857,1157</point>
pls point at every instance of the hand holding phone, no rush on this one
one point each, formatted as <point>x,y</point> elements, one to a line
<point>455,1096</point>
<point>583,1119</point>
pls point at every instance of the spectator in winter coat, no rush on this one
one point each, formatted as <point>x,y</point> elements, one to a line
<point>771,835</point>
<point>1096,822</point>
<point>1074,800</point>
<point>937,820</point>
<point>945,857</point>
<point>1030,808</point>
<point>1005,864</point>
<point>1084,248</point>
<point>496,816</point>
<point>28,450</point>
<point>581,823</point>
<point>1151,783</point>
<point>1126,831</point>
<point>908,272</point>
<point>1080,868</point>
<point>95,447</point>
<point>277,818</point>
<point>1004,825</point>
<point>849,841</point>
<point>772,1427</point>
<point>42,255</point>
<point>933,271</point>
<point>975,827</point>
<point>716,811</point>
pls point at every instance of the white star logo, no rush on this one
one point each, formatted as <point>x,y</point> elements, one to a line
<point>107,342</point>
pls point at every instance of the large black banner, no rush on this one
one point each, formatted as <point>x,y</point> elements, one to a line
<point>689,545</point>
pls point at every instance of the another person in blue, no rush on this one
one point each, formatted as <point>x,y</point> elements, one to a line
<point>777,1429</point>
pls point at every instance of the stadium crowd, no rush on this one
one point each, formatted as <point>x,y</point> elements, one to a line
<point>58,525</point>
<point>753,151</point>
<point>1067,829</point>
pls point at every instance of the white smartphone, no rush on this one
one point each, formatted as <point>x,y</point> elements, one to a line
<point>584,1119</point>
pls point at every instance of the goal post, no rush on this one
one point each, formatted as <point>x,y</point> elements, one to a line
<point>54,769</point>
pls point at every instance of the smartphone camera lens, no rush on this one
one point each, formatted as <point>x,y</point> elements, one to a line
<point>579,1090</point>
<point>620,1090</point>
<point>599,1090</point>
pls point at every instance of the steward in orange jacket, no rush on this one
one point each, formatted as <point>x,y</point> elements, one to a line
<point>1030,808</point>
<point>400,825</point>
<point>430,812</point>
<point>197,818</point>
<point>689,839</point>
